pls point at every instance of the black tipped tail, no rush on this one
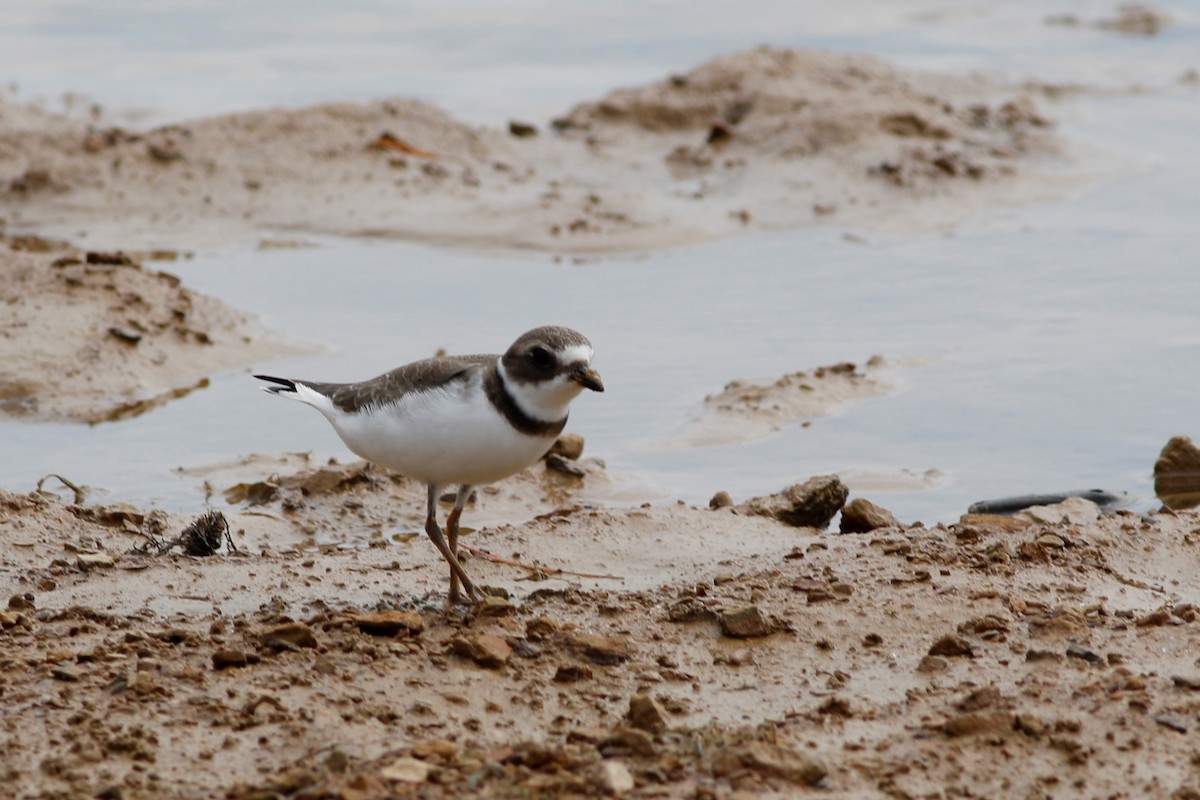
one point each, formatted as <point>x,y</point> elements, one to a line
<point>285,385</point>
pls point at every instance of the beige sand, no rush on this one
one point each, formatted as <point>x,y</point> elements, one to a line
<point>710,655</point>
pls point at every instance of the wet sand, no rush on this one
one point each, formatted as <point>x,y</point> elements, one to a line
<point>628,649</point>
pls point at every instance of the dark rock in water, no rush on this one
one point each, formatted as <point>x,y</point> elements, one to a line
<point>809,504</point>
<point>1011,505</point>
<point>863,516</point>
<point>1177,474</point>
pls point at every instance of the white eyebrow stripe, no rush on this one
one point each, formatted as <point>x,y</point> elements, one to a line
<point>576,352</point>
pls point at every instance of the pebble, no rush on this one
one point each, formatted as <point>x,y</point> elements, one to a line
<point>863,516</point>
<point>773,760</point>
<point>614,778</point>
<point>952,646</point>
<point>493,606</point>
<point>933,664</point>
<point>406,770</point>
<point>91,561</point>
<point>600,649</point>
<point>224,659</point>
<point>647,714</point>
<point>485,649</point>
<point>570,673</point>
<point>65,674</point>
<point>568,446</point>
<point>288,635</point>
<point>744,623</point>
<point>721,499</point>
<point>389,623</point>
<point>21,602</point>
<point>979,722</point>
<point>810,504</point>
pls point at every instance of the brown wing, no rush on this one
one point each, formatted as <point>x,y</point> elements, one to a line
<point>419,376</point>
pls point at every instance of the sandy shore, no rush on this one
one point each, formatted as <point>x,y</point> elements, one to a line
<point>664,651</point>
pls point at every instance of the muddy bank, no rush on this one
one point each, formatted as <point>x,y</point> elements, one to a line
<point>97,337</point>
<point>762,140</point>
<point>758,657</point>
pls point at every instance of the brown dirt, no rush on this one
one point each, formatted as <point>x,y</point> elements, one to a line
<point>652,651</point>
<point>97,337</point>
<point>903,662</point>
<point>762,140</point>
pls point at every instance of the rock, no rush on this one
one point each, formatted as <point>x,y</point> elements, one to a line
<point>441,748</point>
<point>773,760</point>
<point>570,673</point>
<point>1083,654</point>
<point>720,500</point>
<point>493,606</point>
<point>540,628</point>
<point>568,446</point>
<point>485,649</point>
<point>1073,510</point>
<point>92,561</point>
<point>11,619</point>
<point>690,609</point>
<point>930,664</point>
<point>613,777</point>
<point>744,623</point>
<point>65,674</point>
<point>600,650</point>
<point>1177,474</point>
<point>980,722</point>
<point>288,636</point>
<point>21,602</point>
<point>951,646</point>
<point>629,740</point>
<point>406,770</point>
<point>863,516</point>
<point>389,623</point>
<point>224,659</point>
<point>556,463</point>
<point>647,714</point>
<point>809,504</point>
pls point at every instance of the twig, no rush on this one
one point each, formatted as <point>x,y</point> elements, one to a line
<point>80,493</point>
<point>543,570</point>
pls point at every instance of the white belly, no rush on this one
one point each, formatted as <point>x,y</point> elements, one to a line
<point>442,438</point>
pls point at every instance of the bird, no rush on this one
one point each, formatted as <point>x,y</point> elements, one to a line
<point>458,421</point>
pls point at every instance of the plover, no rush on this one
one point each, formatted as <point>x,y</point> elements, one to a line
<point>458,420</point>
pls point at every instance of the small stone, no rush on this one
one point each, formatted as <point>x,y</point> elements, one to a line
<point>647,714</point>
<point>570,673</point>
<point>1189,682</point>
<point>568,446</point>
<point>773,760</point>
<point>441,748</point>
<point>406,770</point>
<point>556,463</point>
<point>492,606</point>
<point>91,561</point>
<point>21,602</point>
<point>540,628</point>
<point>952,646</point>
<point>485,649</point>
<point>389,623</point>
<point>931,664</point>
<point>614,778</point>
<point>720,500</point>
<point>980,722</point>
<point>1177,474</point>
<point>288,636</point>
<point>810,504</point>
<point>1083,654</point>
<point>744,623</point>
<point>522,130</point>
<point>629,740</point>
<point>1052,540</point>
<point>600,649</point>
<point>224,659</point>
<point>863,516</point>
<point>65,674</point>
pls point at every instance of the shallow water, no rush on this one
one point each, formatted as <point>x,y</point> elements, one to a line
<point>1046,348</point>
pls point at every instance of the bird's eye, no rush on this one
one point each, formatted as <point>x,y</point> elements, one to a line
<point>540,357</point>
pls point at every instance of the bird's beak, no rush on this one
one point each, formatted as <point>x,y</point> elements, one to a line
<point>588,378</point>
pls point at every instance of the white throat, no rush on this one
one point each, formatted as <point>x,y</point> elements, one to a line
<point>546,401</point>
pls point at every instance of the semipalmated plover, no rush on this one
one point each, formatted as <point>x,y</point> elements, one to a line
<point>458,420</point>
